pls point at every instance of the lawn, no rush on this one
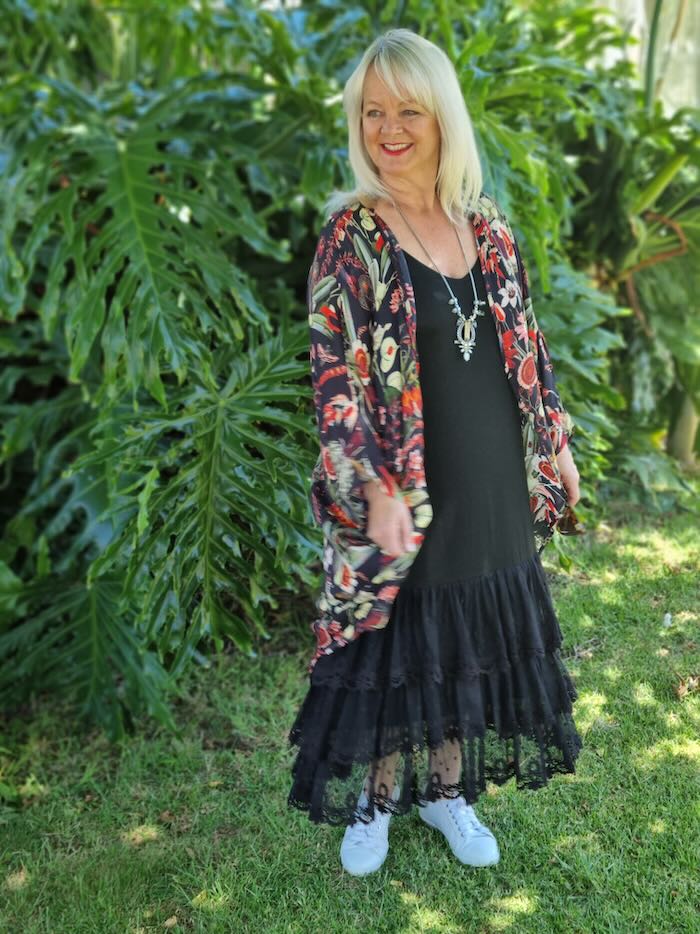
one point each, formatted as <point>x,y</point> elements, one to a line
<point>195,834</point>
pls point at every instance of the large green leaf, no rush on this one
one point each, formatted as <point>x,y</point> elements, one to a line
<point>126,202</point>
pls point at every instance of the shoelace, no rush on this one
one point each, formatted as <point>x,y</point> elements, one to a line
<point>366,833</point>
<point>461,813</point>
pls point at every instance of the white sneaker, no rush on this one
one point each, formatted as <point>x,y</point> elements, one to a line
<point>470,841</point>
<point>365,846</point>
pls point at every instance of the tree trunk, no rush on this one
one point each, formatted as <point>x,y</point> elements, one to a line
<point>681,441</point>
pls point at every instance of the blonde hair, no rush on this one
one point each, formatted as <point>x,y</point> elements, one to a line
<point>417,68</point>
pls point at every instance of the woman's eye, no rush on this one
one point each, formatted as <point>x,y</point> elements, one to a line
<point>371,113</point>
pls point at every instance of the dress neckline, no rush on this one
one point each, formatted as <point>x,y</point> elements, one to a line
<point>435,272</point>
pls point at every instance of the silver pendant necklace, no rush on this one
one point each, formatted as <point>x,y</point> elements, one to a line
<point>466,327</point>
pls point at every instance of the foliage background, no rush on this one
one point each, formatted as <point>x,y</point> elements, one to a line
<point>162,173</point>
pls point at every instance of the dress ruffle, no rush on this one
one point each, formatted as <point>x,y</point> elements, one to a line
<point>475,661</point>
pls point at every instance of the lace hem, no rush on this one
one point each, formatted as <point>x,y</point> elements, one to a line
<point>465,685</point>
<point>515,724</point>
<point>329,794</point>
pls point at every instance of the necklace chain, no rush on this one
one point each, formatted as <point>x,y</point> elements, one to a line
<point>466,327</point>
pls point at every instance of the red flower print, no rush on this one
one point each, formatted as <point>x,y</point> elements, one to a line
<point>509,350</point>
<point>331,373</point>
<point>339,233</point>
<point>499,312</point>
<point>342,517</point>
<point>411,401</point>
<point>362,363</point>
<point>395,302</point>
<point>323,637</point>
<point>388,480</point>
<point>388,593</point>
<point>492,262</point>
<point>331,316</point>
<point>527,372</point>
<point>546,469</point>
<point>507,243</point>
<point>346,578</point>
<point>328,465</point>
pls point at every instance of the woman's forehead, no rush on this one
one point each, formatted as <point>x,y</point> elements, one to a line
<point>377,92</point>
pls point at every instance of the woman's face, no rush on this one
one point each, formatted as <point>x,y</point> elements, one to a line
<point>388,119</point>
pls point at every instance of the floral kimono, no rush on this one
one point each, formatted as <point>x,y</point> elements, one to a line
<point>367,396</point>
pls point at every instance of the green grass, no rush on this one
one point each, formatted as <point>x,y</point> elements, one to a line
<point>124,839</point>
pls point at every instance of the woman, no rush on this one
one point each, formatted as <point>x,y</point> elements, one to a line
<point>444,468</point>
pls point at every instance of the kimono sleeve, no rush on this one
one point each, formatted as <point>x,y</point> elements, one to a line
<point>561,425</point>
<point>340,357</point>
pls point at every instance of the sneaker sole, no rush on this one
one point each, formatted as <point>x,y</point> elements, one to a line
<point>364,872</point>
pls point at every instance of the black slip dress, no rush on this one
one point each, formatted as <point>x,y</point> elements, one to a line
<point>471,652</point>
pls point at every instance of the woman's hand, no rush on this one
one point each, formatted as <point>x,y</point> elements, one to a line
<point>569,475</point>
<point>389,522</point>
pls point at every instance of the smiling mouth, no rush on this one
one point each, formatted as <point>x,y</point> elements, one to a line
<point>404,147</point>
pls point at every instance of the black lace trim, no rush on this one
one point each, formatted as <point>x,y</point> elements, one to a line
<point>329,793</point>
<point>475,664</point>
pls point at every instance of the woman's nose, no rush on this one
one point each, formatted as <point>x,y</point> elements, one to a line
<point>390,126</point>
